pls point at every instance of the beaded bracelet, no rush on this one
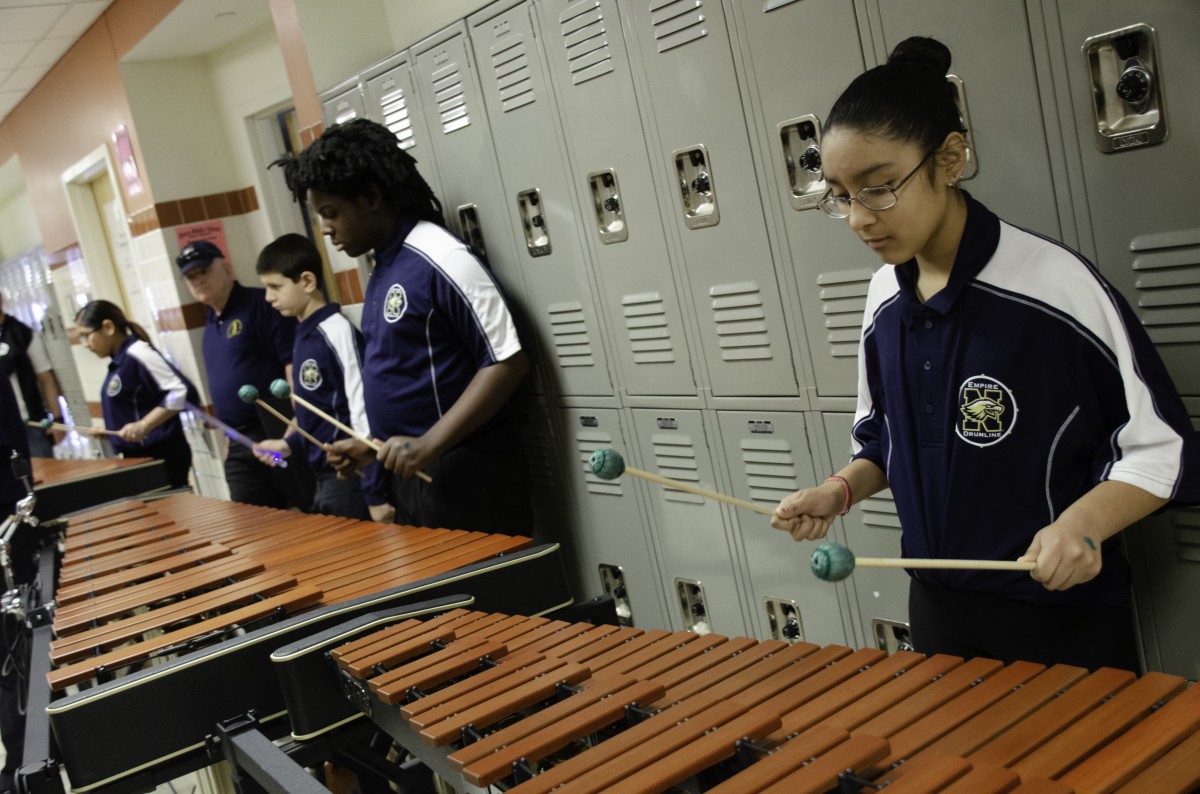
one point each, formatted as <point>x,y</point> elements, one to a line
<point>845,488</point>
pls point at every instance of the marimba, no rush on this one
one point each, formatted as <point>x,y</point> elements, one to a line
<point>487,698</point>
<point>66,486</point>
<point>168,611</point>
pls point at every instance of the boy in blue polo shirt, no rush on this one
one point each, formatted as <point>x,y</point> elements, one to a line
<point>442,350</point>
<point>327,372</point>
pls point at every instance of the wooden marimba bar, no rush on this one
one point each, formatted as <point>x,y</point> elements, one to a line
<point>487,698</point>
<point>141,580</point>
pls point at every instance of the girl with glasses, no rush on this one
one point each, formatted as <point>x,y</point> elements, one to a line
<point>1008,396</point>
<point>142,394</point>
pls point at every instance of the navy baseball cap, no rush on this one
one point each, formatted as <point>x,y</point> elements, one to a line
<point>198,254</point>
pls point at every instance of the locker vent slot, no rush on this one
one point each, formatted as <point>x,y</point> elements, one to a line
<point>647,328</point>
<point>879,511</point>
<point>585,38</point>
<point>1168,286</point>
<point>677,22</point>
<point>770,469</point>
<point>1186,525</point>
<point>510,65</point>
<point>588,442</point>
<point>675,457</point>
<point>741,322</point>
<point>451,98</point>
<point>569,327</point>
<point>395,115</point>
<point>536,440</point>
<point>843,298</point>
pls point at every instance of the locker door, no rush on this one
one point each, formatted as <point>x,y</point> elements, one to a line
<point>1147,239</point>
<point>391,100</point>
<point>538,192</point>
<point>993,57</point>
<point>343,102</point>
<point>873,530</point>
<point>473,199</point>
<point>698,563</point>
<point>1144,219</point>
<point>801,55</point>
<point>609,545</point>
<point>611,175</point>
<point>768,457</point>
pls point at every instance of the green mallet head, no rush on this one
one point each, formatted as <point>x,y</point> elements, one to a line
<point>606,463</point>
<point>45,423</point>
<point>280,389</point>
<point>832,562</point>
<point>248,393</point>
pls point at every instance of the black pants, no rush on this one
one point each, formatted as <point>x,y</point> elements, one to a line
<point>255,483</point>
<point>968,623</point>
<point>479,485</point>
<point>336,497</point>
<point>176,454</point>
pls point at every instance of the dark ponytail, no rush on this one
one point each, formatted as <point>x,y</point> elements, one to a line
<point>96,312</point>
<point>906,99</point>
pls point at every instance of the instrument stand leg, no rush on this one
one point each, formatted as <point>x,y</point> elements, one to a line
<point>258,764</point>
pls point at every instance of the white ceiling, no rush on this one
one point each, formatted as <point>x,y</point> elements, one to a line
<point>34,34</point>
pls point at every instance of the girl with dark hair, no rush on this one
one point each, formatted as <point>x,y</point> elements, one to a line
<point>442,352</point>
<point>142,394</point>
<point>1008,396</point>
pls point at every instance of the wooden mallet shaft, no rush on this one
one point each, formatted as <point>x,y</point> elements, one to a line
<point>970,565</point>
<point>370,442</point>
<point>289,422</point>
<point>698,491</point>
<point>77,428</point>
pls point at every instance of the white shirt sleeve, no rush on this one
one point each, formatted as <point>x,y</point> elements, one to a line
<point>163,375</point>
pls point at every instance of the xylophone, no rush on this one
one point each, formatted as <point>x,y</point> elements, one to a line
<point>540,705</point>
<point>168,611</point>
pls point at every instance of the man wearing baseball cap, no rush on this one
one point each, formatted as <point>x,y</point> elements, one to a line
<point>245,342</point>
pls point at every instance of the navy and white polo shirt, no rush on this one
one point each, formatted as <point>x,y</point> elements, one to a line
<point>433,316</point>
<point>249,342</point>
<point>327,372</point>
<point>139,380</point>
<point>1007,396</point>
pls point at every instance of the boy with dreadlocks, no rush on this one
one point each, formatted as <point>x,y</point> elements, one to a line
<point>442,351</point>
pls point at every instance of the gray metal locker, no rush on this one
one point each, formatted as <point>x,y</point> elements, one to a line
<point>608,542</point>
<point>768,455</point>
<point>593,82</point>
<point>800,56</point>
<point>391,100</point>
<point>699,567</point>
<point>473,198</point>
<point>343,102</point>
<point>709,198</point>
<point>872,530</point>
<point>539,198</point>
<point>1148,247</point>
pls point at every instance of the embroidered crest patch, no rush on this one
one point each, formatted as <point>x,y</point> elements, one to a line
<point>114,386</point>
<point>310,375</point>
<point>987,411</point>
<point>395,304</point>
<point>234,328</point>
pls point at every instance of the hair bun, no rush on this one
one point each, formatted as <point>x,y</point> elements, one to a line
<point>924,52</point>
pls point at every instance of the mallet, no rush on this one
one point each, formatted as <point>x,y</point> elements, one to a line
<point>249,394</point>
<point>607,464</point>
<point>233,434</point>
<point>46,424</point>
<point>834,562</point>
<point>281,389</point>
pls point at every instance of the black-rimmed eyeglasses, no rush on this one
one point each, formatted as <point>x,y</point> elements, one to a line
<point>880,197</point>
